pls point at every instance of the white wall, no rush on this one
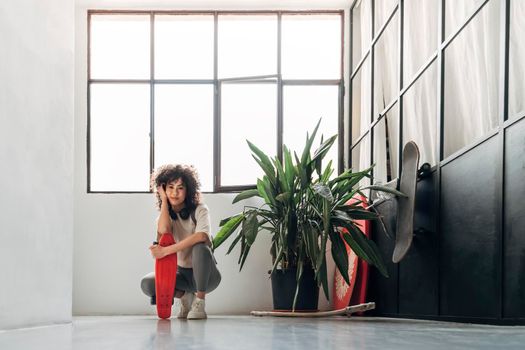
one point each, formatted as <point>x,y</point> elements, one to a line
<point>113,231</point>
<point>36,158</point>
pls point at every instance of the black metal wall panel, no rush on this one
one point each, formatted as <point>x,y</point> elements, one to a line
<point>469,242</point>
<point>514,216</point>
<point>418,271</point>
<point>383,290</point>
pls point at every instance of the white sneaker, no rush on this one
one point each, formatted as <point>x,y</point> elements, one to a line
<point>197,309</point>
<point>185,304</point>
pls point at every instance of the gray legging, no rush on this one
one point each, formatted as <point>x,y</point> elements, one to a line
<point>203,277</point>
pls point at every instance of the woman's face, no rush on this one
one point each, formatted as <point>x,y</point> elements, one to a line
<point>176,193</point>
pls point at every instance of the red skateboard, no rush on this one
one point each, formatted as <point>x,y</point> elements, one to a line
<point>165,278</point>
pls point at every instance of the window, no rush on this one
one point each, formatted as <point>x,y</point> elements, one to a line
<point>192,87</point>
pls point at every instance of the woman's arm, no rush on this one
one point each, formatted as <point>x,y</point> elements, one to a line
<point>159,252</point>
<point>164,224</point>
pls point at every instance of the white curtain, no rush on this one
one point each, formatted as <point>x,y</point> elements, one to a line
<point>386,88</point>
<point>517,58</point>
<point>419,103</point>
<point>472,77</point>
<point>362,84</point>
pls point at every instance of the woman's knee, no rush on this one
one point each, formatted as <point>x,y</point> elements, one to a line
<point>201,251</point>
<point>147,284</point>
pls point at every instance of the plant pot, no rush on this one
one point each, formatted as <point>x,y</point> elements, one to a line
<point>283,290</point>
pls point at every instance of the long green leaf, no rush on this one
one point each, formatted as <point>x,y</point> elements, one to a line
<point>283,197</point>
<point>251,228</point>
<point>227,230</point>
<point>323,149</point>
<point>385,189</point>
<point>370,247</point>
<point>348,213</point>
<point>308,145</point>
<point>328,171</point>
<point>340,255</point>
<point>261,188</point>
<point>234,243</point>
<point>244,256</point>
<point>323,276</point>
<point>356,247</point>
<point>264,163</point>
<point>288,167</point>
<point>283,183</point>
<point>245,195</point>
<point>277,259</point>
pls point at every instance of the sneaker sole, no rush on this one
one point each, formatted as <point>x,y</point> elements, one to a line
<point>197,317</point>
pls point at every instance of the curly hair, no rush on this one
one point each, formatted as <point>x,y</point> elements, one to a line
<point>172,172</point>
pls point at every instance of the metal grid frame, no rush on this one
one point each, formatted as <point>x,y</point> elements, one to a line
<point>217,187</point>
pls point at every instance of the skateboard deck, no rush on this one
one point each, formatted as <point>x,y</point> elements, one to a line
<point>347,311</point>
<point>165,278</point>
<point>405,209</point>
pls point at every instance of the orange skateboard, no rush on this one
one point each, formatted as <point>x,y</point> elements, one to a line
<point>165,278</point>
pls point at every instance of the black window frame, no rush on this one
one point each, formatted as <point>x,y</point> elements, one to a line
<point>217,187</point>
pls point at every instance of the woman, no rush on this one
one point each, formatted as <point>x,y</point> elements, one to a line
<point>183,215</point>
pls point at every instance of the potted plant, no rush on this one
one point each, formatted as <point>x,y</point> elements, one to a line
<point>303,209</point>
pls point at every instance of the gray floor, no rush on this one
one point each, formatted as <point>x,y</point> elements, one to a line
<point>246,332</point>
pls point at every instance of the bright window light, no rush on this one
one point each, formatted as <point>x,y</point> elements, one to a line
<point>120,47</point>
<point>311,47</point>
<point>119,137</point>
<point>247,45</point>
<point>303,107</point>
<point>203,80</point>
<point>184,128</point>
<point>183,47</point>
<point>255,119</point>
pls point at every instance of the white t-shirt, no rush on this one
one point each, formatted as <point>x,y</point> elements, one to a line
<point>184,228</point>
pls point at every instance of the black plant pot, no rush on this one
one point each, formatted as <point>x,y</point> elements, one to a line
<point>283,290</point>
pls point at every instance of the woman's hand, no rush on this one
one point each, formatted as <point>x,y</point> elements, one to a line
<point>162,192</point>
<point>157,251</point>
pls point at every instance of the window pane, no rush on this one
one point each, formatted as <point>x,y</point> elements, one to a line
<point>361,158</point>
<point>303,106</point>
<point>361,31</point>
<point>361,91</point>
<point>248,112</point>
<point>472,80</point>
<point>184,47</point>
<point>120,47</point>
<point>386,146</point>
<point>311,47</point>
<point>383,9</point>
<point>247,45</point>
<point>420,115</point>
<point>516,58</point>
<point>120,124</point>
<point>420,35</point>
<point>386,67</point>
<point>457,12</point>
<point>184,128</point>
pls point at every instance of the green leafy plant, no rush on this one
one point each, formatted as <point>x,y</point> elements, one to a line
<point>303,209</point>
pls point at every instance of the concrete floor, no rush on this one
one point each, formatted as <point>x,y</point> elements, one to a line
<point>247,332</point>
